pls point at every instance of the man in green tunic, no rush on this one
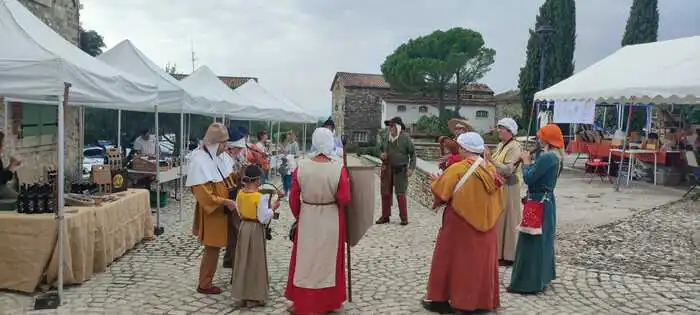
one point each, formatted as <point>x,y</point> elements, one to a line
<point>398,163</point>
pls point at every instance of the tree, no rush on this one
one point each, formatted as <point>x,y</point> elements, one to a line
<point>171,68</point>
<point>430,63</point>
<point>558,47</point>
<point>91,42</point>
<point>642,27</point>
<point>473,70</point>
<point>642,24</point>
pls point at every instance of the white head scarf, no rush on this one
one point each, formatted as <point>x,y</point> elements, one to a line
<point>509,124</point>
<point>323,142</point>
<point>472,142</point>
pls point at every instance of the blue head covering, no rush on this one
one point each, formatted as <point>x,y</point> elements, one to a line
<point>243,130</point>
<point>236,138</point>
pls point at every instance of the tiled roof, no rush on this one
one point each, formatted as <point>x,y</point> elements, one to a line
<point>376,81</point>
<point>232,82</point>
<point>450,99</point>
<point>507,95</point>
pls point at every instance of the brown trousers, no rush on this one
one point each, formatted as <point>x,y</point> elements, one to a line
<point>233,222</point>
<point>210,256</point>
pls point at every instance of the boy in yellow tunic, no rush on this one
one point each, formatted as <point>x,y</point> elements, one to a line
<point>249,276</point>
<point>209,176</point>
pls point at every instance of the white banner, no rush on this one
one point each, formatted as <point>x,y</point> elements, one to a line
<point>574,112</point>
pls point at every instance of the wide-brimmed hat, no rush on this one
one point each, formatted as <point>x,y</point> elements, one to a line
<point>395,121</point>
<point>236,139</point>
<point>216,133</point>
<point>458,123</point>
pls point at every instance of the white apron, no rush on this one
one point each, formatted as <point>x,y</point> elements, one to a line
<point>318,229</point>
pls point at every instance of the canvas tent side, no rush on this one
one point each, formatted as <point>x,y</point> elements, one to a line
<point>659,72</point>
<point>287,110</point>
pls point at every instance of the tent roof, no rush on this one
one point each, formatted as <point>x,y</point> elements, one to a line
<point>660,72</point>
<point>172,97</point>
<point>35,62</point>
<point>288,110</point>
<point>203,82</point>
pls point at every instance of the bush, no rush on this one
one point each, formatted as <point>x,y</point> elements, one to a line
<point>433,125</point>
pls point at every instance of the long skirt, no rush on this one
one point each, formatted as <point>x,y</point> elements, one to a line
<point>534,266</point>
<point>508,222</point>
<point>464,270</point>
<point>249,278</point>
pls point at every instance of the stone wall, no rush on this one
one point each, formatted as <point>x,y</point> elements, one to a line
<point>418,184</point>
<point>429,151</point>
<point>365,114</point>
<point>63,17</point>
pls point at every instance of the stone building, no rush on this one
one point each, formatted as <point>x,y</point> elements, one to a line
<point>33,127</point>
<point>508,104</point>
<point>361,102</point>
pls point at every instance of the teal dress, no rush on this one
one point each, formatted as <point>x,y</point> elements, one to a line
<point>534,267</point>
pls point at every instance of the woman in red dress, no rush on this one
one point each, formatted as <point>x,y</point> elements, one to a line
<point>318,196</point>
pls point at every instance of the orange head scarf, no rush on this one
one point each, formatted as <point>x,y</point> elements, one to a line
<point>552,135</point>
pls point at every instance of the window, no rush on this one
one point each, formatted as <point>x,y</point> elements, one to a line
<point>38,123</point>
<point>360,136</point>
<point>482,114</point>
<point>401,108</point>
<point>423,109</point>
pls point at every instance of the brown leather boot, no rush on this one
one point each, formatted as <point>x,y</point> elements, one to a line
<point>386,210</point>
<point>403,209</point>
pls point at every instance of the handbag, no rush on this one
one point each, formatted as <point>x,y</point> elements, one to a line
<point>533,213</point>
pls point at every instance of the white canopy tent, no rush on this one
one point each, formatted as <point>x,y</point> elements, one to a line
<point>39,66</point>
<point>35,62</point>
<point>659,72</point>
<point>172,98</point>
<point>203,82</point>
<point>286,110</point>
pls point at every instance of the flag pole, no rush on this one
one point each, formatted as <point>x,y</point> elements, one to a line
<point>347,225</point>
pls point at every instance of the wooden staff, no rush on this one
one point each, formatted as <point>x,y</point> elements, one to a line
<point>347,224</point>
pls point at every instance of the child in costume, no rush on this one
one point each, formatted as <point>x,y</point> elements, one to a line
<point>250,277</point>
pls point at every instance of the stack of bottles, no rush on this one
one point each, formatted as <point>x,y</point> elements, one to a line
<point>84,188</point>
<point>36,199</point>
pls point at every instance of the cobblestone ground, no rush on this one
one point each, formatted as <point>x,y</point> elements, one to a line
<point>390,270</point>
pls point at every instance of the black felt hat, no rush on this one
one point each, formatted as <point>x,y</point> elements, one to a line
<point>329,123</point>
<point>395,121</point>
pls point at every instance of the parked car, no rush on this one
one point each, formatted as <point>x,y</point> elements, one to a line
<point>92,155</point>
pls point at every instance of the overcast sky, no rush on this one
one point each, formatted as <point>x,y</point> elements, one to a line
<point>296,46</point>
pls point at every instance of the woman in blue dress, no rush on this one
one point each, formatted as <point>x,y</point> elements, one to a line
<point>534,266</point>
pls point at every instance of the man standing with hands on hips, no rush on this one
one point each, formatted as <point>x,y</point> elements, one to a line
<point>398,163</point>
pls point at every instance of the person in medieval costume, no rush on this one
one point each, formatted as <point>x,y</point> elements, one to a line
<point>506,158</point>
<point>464,270</point>
<point>249,278</point>
<point>398,163</point>
<point>337,142</point>
<point>320,192</point>
<point>209,177</point>
<point>534,266</point>
<point>235,147</point>
<point>457,126</point>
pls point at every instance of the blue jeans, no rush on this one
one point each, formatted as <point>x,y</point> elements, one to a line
<point>286,183</point>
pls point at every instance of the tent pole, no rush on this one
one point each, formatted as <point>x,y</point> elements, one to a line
<point>624,145</point>
<point>6,107</point>
<point>82,141</point>
<point>119,129</point>
<point>304,138</point>
<point>605,112</point>
<point>60,183</point>
<point>180,165</point>
<point>158,229</point>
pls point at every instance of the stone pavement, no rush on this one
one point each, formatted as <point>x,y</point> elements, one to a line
<point>390,270</point>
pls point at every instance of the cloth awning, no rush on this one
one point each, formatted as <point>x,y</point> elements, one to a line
<point>172,98</point>
<point>659,72</point>
<point>203,82</point>
<point>35,62</point>
<point>286,109</point>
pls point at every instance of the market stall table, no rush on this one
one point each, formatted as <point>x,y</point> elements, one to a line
<point>94,237</point>
<point>630,154</point>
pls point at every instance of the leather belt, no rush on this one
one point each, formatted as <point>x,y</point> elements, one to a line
<point>320,203</point>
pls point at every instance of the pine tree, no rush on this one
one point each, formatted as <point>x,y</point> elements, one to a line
<point>643,23</point>
<point>559,47</point>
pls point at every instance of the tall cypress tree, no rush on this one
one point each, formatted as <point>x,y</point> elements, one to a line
<point>642,27</point>
<point>559,49</point>
<point>643,23</point>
